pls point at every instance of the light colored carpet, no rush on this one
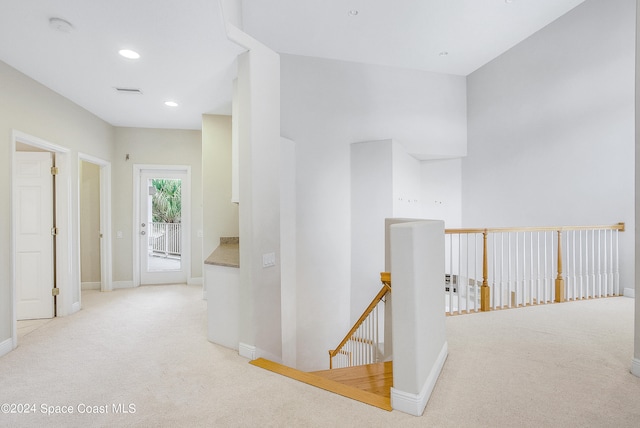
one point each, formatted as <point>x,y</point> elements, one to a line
<point>555,365</point>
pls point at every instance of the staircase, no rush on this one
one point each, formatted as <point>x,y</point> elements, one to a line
<point>360,375</point>
<point>362,344</point>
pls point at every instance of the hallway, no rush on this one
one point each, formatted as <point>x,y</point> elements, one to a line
<point>147,347</point>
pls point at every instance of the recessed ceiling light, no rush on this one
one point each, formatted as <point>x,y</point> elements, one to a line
<point>508,1</point>
<point>61,25</point>
<point>129,54</point>
<point>171,104</point>
<point>353,12</point>
<point>443,53</point>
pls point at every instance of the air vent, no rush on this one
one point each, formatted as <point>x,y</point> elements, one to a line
<point>128,91</point>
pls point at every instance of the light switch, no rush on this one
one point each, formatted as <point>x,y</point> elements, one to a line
<point>119,234</point>
<point>268,259</point>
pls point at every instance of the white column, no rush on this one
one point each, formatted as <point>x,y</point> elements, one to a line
<point>419,337</point>
<point>635,365</point>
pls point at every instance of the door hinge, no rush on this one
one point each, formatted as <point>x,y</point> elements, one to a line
<point>54,170</point>
<point>54,231</point>
<point>55,291</point>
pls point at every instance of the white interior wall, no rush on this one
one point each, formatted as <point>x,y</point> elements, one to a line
<point>259,150</point>
<point>407,197</point>
<point>326,106</point>
<point>90,223</point>
<point>159,147</point>
<point>441,191</point>
<point>288,251</point>
<point>33,109</point>
<point>635,365</point>
<point>220,215</point>
<point>372,200</point>
<point>551,128</point>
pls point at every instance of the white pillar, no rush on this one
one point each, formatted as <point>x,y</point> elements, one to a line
<point>419,337</point>
<point>635,365</point>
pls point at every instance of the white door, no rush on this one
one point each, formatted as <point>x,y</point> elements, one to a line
<point>164,227</point>
<point>34,240</point>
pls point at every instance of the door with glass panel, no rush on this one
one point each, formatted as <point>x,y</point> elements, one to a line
<point>163,228</point>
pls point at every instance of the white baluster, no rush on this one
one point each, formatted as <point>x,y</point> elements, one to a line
<point>451,274</point>
<point>617,264</point>
<point>532,282</point>
<point>574,264</point>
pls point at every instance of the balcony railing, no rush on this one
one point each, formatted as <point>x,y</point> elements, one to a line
<point>501,268</point>
<point>165,239</point>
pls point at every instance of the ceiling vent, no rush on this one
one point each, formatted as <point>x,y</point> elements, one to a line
<point>134,91</point>
<point>61,25</point>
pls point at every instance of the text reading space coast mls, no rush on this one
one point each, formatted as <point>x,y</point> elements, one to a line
<point>82,408</point>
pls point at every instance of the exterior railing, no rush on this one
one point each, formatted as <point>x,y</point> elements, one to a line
<point>510,267</point>
<point>362,344</point>
<point>166,239</point>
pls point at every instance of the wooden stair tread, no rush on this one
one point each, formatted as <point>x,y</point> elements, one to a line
<point>376,378</point>
<point>327,384</point>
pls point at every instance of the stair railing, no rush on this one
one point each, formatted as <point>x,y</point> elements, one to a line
<point>362,344</point>
<point>498,268</point>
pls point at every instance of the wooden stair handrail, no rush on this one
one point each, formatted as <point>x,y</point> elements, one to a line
<point>619,226</point>
<point>385,278</point>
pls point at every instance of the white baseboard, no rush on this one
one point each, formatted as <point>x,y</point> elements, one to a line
<point>194,281</point>
<point>75,308</point>
<point>635,367</point>
<point>247,351</point>
<point>268,356</point>
<point>122,284</point>
<point>90,286</point>
<point>6,346</point>
<point>414,404</point>
<point>630,292</point>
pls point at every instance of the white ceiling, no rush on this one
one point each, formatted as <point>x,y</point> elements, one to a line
<point>185,56</point>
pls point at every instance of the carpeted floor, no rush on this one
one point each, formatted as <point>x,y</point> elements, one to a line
<point>145,351</point>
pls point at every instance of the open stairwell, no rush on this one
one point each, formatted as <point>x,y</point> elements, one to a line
<point>360,375</point>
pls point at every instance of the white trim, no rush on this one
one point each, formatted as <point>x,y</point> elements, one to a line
<point>30,140</point>
<point>6,346</point>
<point>247,351</point>
<point>12,251</point>
<point>106,245</point>
<point>75,307</point>
<point>635,367</point>
<point>414,404</point>
<point>90,286</point>
<point>123,284</point>
<point>629,292</point>
<point>194,281</point>
<point>67,278</point>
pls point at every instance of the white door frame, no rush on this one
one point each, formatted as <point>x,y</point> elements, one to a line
<point>67,281</point>
<point>106,258</point>
<point>186,204</point>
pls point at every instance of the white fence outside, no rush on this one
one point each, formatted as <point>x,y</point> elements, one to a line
<point>165,239</point>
